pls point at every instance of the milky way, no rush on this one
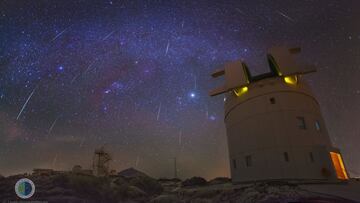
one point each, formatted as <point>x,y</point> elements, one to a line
<point>134,76</point>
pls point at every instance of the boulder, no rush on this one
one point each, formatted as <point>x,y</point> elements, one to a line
<point>131,173</point>
<point>120,181</point>
<point>140,180</point>
<point>166,199</point>
<point>61,180</point>
<point>135,192</point>
<point>219,180</point>
<point>164,180</point>
<point>147,184</point>
<point>68,199</point>
<point>59,191</point>
<point>194,181</point>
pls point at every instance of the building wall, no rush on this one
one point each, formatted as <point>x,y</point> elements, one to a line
<point>264,123</point>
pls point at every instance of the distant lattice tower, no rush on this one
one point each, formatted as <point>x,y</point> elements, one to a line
<point>274,125</point>
<point>101,162</point>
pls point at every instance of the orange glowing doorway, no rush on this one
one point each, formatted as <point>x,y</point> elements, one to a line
<point>339,166</point>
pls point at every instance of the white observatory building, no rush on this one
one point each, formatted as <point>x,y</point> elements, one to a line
<point>274,125</point>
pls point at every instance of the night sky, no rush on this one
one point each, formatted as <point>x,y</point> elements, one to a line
<point>134,76</point>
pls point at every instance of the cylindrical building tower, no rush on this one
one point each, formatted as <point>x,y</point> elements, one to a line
<point>274,125</point>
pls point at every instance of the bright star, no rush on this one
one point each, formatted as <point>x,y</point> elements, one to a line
<point>61,68</point>
<point>192,95</point>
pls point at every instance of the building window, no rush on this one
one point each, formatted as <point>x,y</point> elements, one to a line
<point>317,126</point>
<point>234,163</point>
<point>286,156</point>
<point>272,100</point>
<point>248,161</point>
<point>311,157</point>
<point>301,122</point>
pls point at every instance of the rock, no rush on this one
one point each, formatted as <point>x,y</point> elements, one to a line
<point>194,181</point>
<point>68,199</point>
<point>76,169</point>
<point>166,199</point>
<point>131,173</point>
<point>147,184</point>
<point>119,181</point>
<point>61,180</point>
<point>135,192</point>
<point>205,194</point>
<point>57,191</point>
<point>164,180</point>
<point>138,187</point>
<point>140,180</point>
<point>90,186</point>
<point>219,180</point>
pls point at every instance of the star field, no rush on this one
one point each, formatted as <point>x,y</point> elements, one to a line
<point>134,76</point>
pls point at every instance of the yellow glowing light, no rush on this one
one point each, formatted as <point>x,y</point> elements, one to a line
<point>339,166</point>
<point>238,92</point>
<point>292,80</point>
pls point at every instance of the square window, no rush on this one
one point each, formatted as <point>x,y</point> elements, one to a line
<point>248,161</point>
<point>311,157</point>
<point>317,126</point>
<point>286,157</point>
<point>301,122</point>
<point>272,100</point>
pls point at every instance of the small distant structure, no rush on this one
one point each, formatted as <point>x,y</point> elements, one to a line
<point>112,173</point>
<point>46,172</point>
<point>77,169</point>
<point>131,173</point>
<point>87,172</point>
<point>43,172</point>
<point>101,162</point>
<point>274,125</point>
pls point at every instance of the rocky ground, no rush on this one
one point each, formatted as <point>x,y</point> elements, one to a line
<point>132,186</point>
